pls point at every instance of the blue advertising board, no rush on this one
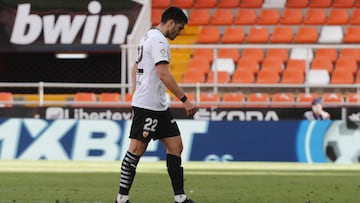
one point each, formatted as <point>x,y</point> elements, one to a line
<point>106,140</point>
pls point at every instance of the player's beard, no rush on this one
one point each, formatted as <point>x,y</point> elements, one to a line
<point>172,34</point>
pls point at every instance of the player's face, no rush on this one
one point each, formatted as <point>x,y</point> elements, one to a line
<point>175,30</point>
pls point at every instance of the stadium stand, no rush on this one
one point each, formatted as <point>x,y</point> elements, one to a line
<point>271,22</point>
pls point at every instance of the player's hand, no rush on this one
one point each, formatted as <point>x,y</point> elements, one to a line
<point>190,109</point>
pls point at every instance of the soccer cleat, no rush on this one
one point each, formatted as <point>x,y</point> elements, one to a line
<point>186,201</point>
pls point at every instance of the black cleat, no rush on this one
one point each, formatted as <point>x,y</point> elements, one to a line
<point>186,201</point>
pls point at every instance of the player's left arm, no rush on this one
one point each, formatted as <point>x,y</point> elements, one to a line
<point>170,83</point>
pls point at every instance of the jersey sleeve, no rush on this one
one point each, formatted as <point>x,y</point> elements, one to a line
<point>160,51</point>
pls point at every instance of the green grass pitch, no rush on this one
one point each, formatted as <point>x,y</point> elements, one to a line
<point>97,182</point>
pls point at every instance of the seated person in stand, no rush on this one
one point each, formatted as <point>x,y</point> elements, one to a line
<point>317,112</point>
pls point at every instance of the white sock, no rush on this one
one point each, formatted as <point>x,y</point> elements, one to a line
<point>180,198</point>
<point>122,198</point>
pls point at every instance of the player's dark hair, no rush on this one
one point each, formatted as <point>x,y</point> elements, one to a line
<point>175,14</point>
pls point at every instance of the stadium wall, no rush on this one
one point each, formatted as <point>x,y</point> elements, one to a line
<point>220,141</point>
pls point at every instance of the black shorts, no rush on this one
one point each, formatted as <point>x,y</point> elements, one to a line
<point>148,124</point>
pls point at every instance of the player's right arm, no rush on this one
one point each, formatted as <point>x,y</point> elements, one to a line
<point>134,72</point>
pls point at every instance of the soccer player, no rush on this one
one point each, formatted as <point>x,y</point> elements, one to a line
<point>317,112</point>
<point>151,116</point>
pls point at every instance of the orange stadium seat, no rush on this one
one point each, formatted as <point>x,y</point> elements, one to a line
<point>232,53</point>
<point>209,35</point>
<point>280,53</point>
<point>341,76</point>
<point>160,3</point>
<point>233,99</point>
<point>282,34</point>
<point>293,76</point>
<point>109,97</point>
<point>199,17</point>
<point>268,17</point>
<point>184,4</point>
<point>228,3</point>
<point>305,99</point>
<point>84,98</point>
<point>292,16</point>
<point>315,17</point>
<point>245,17</point>
<point>258,99</point>
<point>330,53</point>
<point>222,77</point>
<point>233,35</point>
<point>205,3</point>
<point>320,3</point>
<point>338,17</point>
<point>322,63</point>
<point>251,3</point>
<point>333,98</point>
<point>207,97</point>
<point>348,64</point>
<point>267,76</point>
<point>353,53</point>
<point>248,63</point>
<point>206,54</point>
<point>352,35</point>
<point>255,53</point>
<point>355,17</point>
<point>193,76</point>
<point>258,35</point>
<point>273,64</point>
<point>282,99</point>
<point>297,3</point>
<point>343,3</point>
<point>353,98</point>
<point>6,99</point>
<point>297,64</point>
<point>243,75</point>
<point>156,16</point>
<point>306,34</point>
<point>199,64</point>
<point>222,17</point>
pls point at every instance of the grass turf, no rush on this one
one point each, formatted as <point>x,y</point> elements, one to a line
<point>84,182</point>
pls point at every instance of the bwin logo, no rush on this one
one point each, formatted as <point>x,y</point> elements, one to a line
<point>96,29</point>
